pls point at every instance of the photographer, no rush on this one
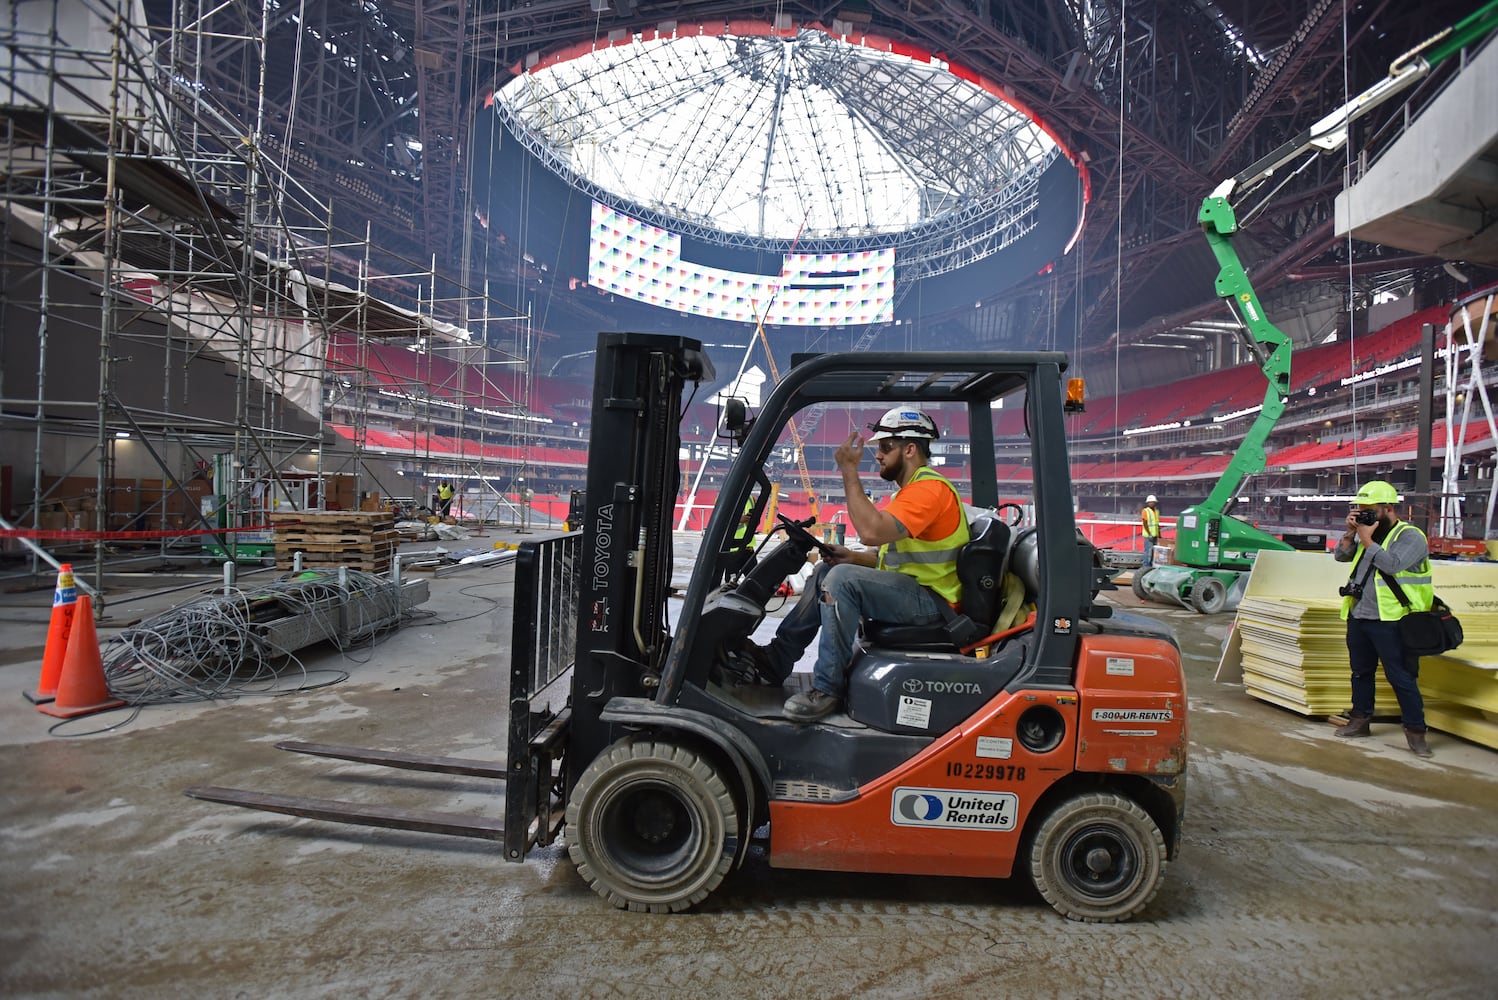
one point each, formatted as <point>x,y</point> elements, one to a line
<point>1380,546</point>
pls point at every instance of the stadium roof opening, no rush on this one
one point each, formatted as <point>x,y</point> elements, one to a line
<point>739,132</point>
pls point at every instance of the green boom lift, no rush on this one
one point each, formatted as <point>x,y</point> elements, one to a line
<point>1214,550</point>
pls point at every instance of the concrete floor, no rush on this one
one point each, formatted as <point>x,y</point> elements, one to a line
<point>1309,865</point>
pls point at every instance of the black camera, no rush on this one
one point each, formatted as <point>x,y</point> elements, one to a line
<point>1352,590</point>
<point>1367,517</point>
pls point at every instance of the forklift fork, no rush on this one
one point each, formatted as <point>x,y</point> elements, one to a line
<point>543,650</point>
<point>420,820</point>
<point>539,827</point>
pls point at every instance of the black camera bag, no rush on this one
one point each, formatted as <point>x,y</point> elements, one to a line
<point>1426,633</point>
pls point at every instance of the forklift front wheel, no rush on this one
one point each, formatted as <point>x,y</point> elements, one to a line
<point>652,826</point>
<point>1098,858</point>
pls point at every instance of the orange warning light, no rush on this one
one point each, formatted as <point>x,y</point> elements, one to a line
<point>1076,395</point>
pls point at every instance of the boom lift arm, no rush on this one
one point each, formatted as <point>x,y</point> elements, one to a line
<point>1219,224</point>
<point>1211,546</point>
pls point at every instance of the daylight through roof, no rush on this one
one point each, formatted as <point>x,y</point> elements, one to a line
<point>795,135</point>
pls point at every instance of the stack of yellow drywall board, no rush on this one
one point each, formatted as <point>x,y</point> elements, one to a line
<point>1300,662</point>
<point>1288,645</point>
<point>1461,685</point>
<point>1292,637</point>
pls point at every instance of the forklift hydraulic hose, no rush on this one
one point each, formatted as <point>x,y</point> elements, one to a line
<point>639,595</point>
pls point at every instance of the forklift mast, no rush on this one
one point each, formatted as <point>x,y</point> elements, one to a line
<point>634,476</point>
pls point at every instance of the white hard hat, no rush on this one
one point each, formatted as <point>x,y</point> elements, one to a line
<point>904,422</point>
<point>1151,499</point>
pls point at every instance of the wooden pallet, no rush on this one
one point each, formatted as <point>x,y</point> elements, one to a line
<point>325,552</point>
<point>327,560</point>
<point>297,539</point>
<point>338,520</point>
<point>362,540</point>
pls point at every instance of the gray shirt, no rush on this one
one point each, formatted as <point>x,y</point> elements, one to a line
<point>1406,552</point>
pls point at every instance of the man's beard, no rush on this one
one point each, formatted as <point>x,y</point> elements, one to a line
<point>891,473</point>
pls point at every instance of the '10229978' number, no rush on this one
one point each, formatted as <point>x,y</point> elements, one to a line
<point>984,772</point>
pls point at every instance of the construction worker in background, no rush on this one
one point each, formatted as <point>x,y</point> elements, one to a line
<point>444,499</point>
<point>1149,520</point>
<point>918,535</point>
<point>741,546</point>
<point>1383,551</point>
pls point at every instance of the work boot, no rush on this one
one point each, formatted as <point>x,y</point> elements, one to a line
<point>1357,725</point>
<point>762,670</point>
<point>1416,739</point>
<point>809,706</point>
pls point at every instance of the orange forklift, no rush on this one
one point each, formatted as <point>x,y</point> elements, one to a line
<point>1055,748</point>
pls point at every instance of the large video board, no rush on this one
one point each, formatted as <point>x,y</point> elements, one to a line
<point>643,262</point>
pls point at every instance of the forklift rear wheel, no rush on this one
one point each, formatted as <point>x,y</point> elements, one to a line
<point>1208,595</point>
<point>1098,858</point>
<point>652,826</point>
<point>1139,575</point>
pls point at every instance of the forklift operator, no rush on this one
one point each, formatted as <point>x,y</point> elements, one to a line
<point>918,535</point>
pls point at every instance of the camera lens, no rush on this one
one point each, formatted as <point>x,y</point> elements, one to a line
<point>1367,517</point>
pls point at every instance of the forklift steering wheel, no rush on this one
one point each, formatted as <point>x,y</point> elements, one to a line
<point>796,532</point>
<point>1016,517</point>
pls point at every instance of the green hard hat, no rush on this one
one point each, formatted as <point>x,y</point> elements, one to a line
<point>1377,491</point>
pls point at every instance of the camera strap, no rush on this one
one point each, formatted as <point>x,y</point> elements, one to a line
<point>1394,586</point>
<point>1367,571</point>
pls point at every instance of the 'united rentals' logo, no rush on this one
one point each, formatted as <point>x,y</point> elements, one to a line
<point>953,809</point>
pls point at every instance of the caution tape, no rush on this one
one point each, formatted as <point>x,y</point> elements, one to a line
<point>37,534</point>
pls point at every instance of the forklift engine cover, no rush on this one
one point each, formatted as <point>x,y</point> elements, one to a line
<point>903,691</point>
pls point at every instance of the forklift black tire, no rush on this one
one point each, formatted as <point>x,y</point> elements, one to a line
<point>1139,575</point>
<point>1209,595</point>
<point>652,826</point>
<point>1098,858</point>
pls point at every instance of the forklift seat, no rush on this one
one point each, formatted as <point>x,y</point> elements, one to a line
<point>980,566</point>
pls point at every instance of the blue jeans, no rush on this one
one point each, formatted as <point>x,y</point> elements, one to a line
<point>836,598</point>
<point>1368,642</point>
<point>1149,549</point>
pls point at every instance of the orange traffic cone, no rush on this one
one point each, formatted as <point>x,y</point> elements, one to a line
<point>64,604</point>
<point>82,689</point>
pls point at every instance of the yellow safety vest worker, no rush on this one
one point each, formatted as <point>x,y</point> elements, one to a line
<point>444,492</point>
<point>1151,522</point>
<point>932,564</point>
<point>1418,589</point>
<point>744,530</point>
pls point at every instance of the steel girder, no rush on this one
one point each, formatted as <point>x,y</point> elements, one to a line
<point>1194,105</point>
<point>444,104</point>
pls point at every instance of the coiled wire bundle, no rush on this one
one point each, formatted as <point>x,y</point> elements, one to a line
<point>228,645</point>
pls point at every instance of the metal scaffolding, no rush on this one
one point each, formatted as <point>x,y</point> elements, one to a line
<point>154,243</point>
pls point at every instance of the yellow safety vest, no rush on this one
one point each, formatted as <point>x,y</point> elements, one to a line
<point>744,531</point>
<point>1151,522</point>
<point>444,493</point>
<point>932,564</point>
<point>1418,589</point>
